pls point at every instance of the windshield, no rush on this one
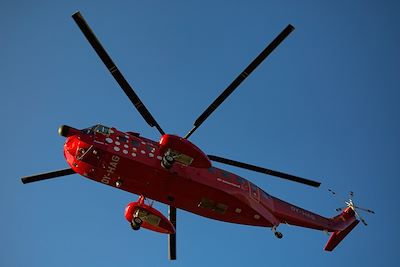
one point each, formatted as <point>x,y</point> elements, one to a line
<point>97,129</point>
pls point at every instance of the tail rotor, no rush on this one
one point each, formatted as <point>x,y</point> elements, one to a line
<point>351,204</point>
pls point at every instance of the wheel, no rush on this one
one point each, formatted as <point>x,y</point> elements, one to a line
<point>135,226</point>
<point>136,223</point>
<point>169,158</point>
<point>137,220</point>
<point>278,235</point>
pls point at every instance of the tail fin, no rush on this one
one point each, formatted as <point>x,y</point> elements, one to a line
<point>347,220</point>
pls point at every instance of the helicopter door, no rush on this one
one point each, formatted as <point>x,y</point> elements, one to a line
<point>254,192</point>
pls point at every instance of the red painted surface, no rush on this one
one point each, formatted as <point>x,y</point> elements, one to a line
<point>168,141</point>
<point>152,218</point>
<point>134,161</point>
<point>338,236</point>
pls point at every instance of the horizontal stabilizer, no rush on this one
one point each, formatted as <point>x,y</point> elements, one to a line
<point>338,236</point>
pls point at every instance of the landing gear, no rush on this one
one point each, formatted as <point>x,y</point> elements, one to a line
<point>136,223</point>
<point>167,161</point>
<point>277,234</point>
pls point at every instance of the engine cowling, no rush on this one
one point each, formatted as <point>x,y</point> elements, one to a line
<point>183,151</point>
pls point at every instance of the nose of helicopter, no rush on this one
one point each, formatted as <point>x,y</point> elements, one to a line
<point>71,144</point>
<point>67,131</point>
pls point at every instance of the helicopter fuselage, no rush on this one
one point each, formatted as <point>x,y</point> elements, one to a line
<point>133,163</point>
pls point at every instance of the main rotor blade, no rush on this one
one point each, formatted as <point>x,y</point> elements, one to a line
<point>264,170</point>
<point>239,79</point>
<point>47,175</point>
<point>172,237</point>
<point>113,69</point>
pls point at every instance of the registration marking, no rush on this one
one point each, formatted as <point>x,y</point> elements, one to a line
<point>112,166</point>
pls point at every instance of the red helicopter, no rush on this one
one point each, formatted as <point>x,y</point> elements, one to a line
<point>176,172</point>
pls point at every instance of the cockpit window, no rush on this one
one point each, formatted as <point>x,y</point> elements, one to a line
<point>88,130</point>
<point>98,129</point>
<point>102,129</point>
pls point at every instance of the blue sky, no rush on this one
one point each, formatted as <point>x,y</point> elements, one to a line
<point>323,106</point>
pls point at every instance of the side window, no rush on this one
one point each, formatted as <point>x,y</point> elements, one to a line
<point>150,148</point>
<point>135,143</point>
<point>225,174</point>
<point>240,180</point>
<point>212,170</point>
<point>122,139</point>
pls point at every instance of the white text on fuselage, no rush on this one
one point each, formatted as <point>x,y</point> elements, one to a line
<point>112,166</point>
<point>303,212</point>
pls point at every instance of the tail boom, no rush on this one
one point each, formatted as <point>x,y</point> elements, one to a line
<point>340,226</point>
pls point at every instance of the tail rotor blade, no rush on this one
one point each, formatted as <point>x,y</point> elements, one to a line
<point>264,170</point>
<point>47,175</point>
<point>364,209</point>
<point>172,237</point>
<point>331,191</point>
<point>239,79</point>
<point>363,221</point>
<point>113,69</point>
<point>351,205</point>
<point>359,217</point>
